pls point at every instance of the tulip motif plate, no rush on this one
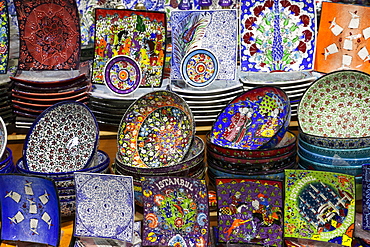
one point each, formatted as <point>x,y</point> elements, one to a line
<point>336,105</point>
<point>156,130</point>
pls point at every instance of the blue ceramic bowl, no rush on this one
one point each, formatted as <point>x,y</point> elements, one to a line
<point>342,152</point>
<point>312,165</point>
<point>331,160</point>
<point>6,158</point>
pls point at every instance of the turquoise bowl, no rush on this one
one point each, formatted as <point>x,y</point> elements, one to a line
<point>342,152</point>
<point>312,165</point>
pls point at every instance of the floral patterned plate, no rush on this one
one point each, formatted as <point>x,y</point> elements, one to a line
<point>63,138</point>
<point>3,137</point>
<point>156,130</point>
<point>336,105</point>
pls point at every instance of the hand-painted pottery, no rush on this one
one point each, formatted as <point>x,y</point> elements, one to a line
<point>49,35</point>
<point>67,208</point>
<point>341,152</point>
<point>29,209</point>
<point>51,89</point>
<point>51,100</point>
<point>99,210</point>
<point>156,131</point>
<point>336,105</point>
<point>52,80</point>
<point>63,138</point>
<point>366,197</point>
<point>43,95</point>
<point>287,144</point>
<point>3,137</point>
<point>258,118</point>
<point>6,158</point>
<point>5,37</point>
<point>355,170</point>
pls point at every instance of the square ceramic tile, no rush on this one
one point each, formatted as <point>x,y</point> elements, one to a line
<point>29,209</point>
<point>200,54</point>
<point>4,37</point>
<point>343,38</point>
<point>104,206</point>
<point>277,35</point>
<point>49,34</point>
<point>175,211</point>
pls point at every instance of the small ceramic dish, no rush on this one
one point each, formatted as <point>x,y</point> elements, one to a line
<point>341,152</point>
<point>312,165</point>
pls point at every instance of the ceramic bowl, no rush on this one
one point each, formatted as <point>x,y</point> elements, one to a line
<point>256,119</point>
<point>156,130</point>
<point>335,160</point>
<point>333,142</point>
<point>194,156</point>
<point>312,165</point>
<point>342,152</point>
<point>6,158</point>
<point>3,137</point>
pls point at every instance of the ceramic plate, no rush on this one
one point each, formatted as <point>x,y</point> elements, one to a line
<point>336,105</point>
<point>63,138</point>
<point>156,130</point>
<point>211,97</point>
<point>3,137</point>
<point>216,88</point>
<point>199,68</point>
<point>39,100</point>
<point>48,95</point>
<point>252,119</point>
<point>122,75</point>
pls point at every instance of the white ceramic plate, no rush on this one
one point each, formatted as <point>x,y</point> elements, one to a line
<point>3,137</point>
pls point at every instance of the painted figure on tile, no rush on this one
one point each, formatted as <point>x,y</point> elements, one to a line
<point>238,126</point>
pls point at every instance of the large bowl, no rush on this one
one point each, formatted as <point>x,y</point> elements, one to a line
<point>285,145</point>
<point>312,165</point>
<point>331,160</point>
<point>256,119</point>
<point>342,152</point>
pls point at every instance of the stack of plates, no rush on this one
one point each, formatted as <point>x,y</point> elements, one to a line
<point>63,139</point>
<point>34,92</point>
<point>206,103</point>
<point>293,83</point>
<point>334,126</point>
<point>156,137</point>
<point>250,137</point>
<point>6,112</point>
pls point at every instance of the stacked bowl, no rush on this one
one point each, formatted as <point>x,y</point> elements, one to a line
<point>334,125</point>
<point>250,137</point>
<point>63,139</point>
<point>156,137</point>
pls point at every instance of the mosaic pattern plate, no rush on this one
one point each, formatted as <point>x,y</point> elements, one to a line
<point>122,75</point>
<point>29,209</point>
<point>156,130</point>
<point>336,105</point>
<point>104,206</point>
<point>63,138</point>
<point>343,39</point>
<point>139,35</point>
<point>175,211</point>
<point>252,119</point>
<point>4,37</point>
<point>195,29</point>
<point>199,68</point>
<point>3,137</point>
<point>49,34</point>
<point>277,35</point>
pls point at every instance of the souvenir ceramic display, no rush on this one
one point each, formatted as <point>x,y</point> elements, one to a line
<point>161,225</point>
<point>343,38</point>
<point>277,35</point>
<point>41,22</point>
<point>335,106</point>
<point>3,137</point>
<point>156,131</point>
<point>255,207</point>
<point>201,56</point>
<point>4,37</point>
<point>136,57</point>
<point>99,210</point>
<point>319,206</point>
<point>29,209</point>
<point>63,138</point>
<point>258,118</point>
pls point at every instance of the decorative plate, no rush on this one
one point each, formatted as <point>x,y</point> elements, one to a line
<point>63,138</point>
<point>49,35</point>
<point>3,137</point>
<point>4,37</point>
<point>122,75</point>
<point>253,119</point>
<point>336,105</point>
<point>199,68</point>
<point>156,130</point>
<point>29,209</point>
<point>104,206</point>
